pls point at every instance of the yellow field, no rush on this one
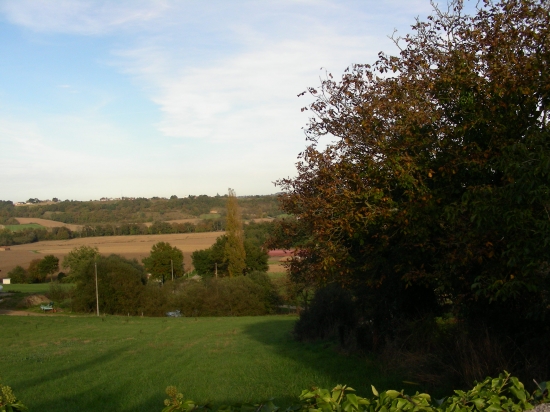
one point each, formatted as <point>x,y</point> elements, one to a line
<point>48,223</point>
<point>131,247</point>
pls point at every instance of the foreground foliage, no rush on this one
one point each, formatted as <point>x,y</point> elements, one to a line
<point>8,401</point>
<point>505,393</point>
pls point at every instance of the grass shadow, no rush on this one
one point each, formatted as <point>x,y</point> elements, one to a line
<point>323,358</point>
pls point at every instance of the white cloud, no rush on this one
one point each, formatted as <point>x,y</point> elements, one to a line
<point>89,17</point>
<point>249,95</point>
<point>224,76</point>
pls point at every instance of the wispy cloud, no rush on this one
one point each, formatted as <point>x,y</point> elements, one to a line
<point>222,78</point>
<point>88,17</point>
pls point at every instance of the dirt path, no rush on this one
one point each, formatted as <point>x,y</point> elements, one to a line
<point>20,313</point>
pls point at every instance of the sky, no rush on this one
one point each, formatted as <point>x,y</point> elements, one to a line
<point>143,98</point>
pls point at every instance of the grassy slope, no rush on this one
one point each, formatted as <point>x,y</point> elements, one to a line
<point>61,363</point>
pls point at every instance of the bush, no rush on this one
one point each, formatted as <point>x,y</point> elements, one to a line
<point>271,296</point>
<point>19,275</point>
<point>332,314</point>
<point>239,296</point>
<point>58,293</point>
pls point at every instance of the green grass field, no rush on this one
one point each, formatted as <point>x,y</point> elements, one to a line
<point>17,228</point>
<point>83,363</point>
<point>32,287</point>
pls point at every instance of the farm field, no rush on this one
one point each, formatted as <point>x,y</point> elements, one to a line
<point>47,223</point>
<point>130,247</point>
<point>85,363</point>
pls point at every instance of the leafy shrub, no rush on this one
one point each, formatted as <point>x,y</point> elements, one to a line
<point>8,401</point>
<point>18,275</point>
<point>505,393</point>
<point>58,293</point>
<point>271,296</point>
<point>239,296</point>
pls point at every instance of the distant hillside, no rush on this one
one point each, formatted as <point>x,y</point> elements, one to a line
<point>139,210</point>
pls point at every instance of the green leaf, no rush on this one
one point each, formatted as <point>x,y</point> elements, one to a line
<point>352,398</point>
<point>374,391</point>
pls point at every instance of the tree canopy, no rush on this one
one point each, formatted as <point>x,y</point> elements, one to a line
<point>163,261</point>
<point>78,259</point>
<point>436,181</point>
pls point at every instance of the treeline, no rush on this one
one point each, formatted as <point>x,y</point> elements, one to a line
<point>139,210</point>
<point>125,290</point>
<point>31,235</point>
<point>161,284</point>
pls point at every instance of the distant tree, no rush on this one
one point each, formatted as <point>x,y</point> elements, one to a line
<point>162,260</point>
<point>234,248</point>
<point>34,273</point>
<point>79,259</point>
<point>207,261</point>
<point>61,233</point>
<point>11,221</point>
<point>48,266</point>
<point>256,257</point>
<point>18,275</point>
<point>120,283</point>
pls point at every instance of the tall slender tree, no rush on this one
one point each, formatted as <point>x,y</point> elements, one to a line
<point>234,248</point>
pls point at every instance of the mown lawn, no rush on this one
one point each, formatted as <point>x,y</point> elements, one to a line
<point>84,363</point>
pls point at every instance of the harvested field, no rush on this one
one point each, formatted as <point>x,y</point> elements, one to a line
<point>132,247</point>
<point>193,221</point>
<point>47,223</point>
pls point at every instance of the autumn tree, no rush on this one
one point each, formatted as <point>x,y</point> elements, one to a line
<point>164,261</point>
<point>234,248</point>
<point>433,189</point>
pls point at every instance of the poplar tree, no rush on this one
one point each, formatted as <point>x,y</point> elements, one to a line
<point>234,248</point>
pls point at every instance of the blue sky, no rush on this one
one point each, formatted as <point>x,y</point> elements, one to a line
<point>150,98</point>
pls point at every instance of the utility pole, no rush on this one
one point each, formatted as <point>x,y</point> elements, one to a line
<point>216,269</point>
<point>172,268</point>
<point>96,292</point>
